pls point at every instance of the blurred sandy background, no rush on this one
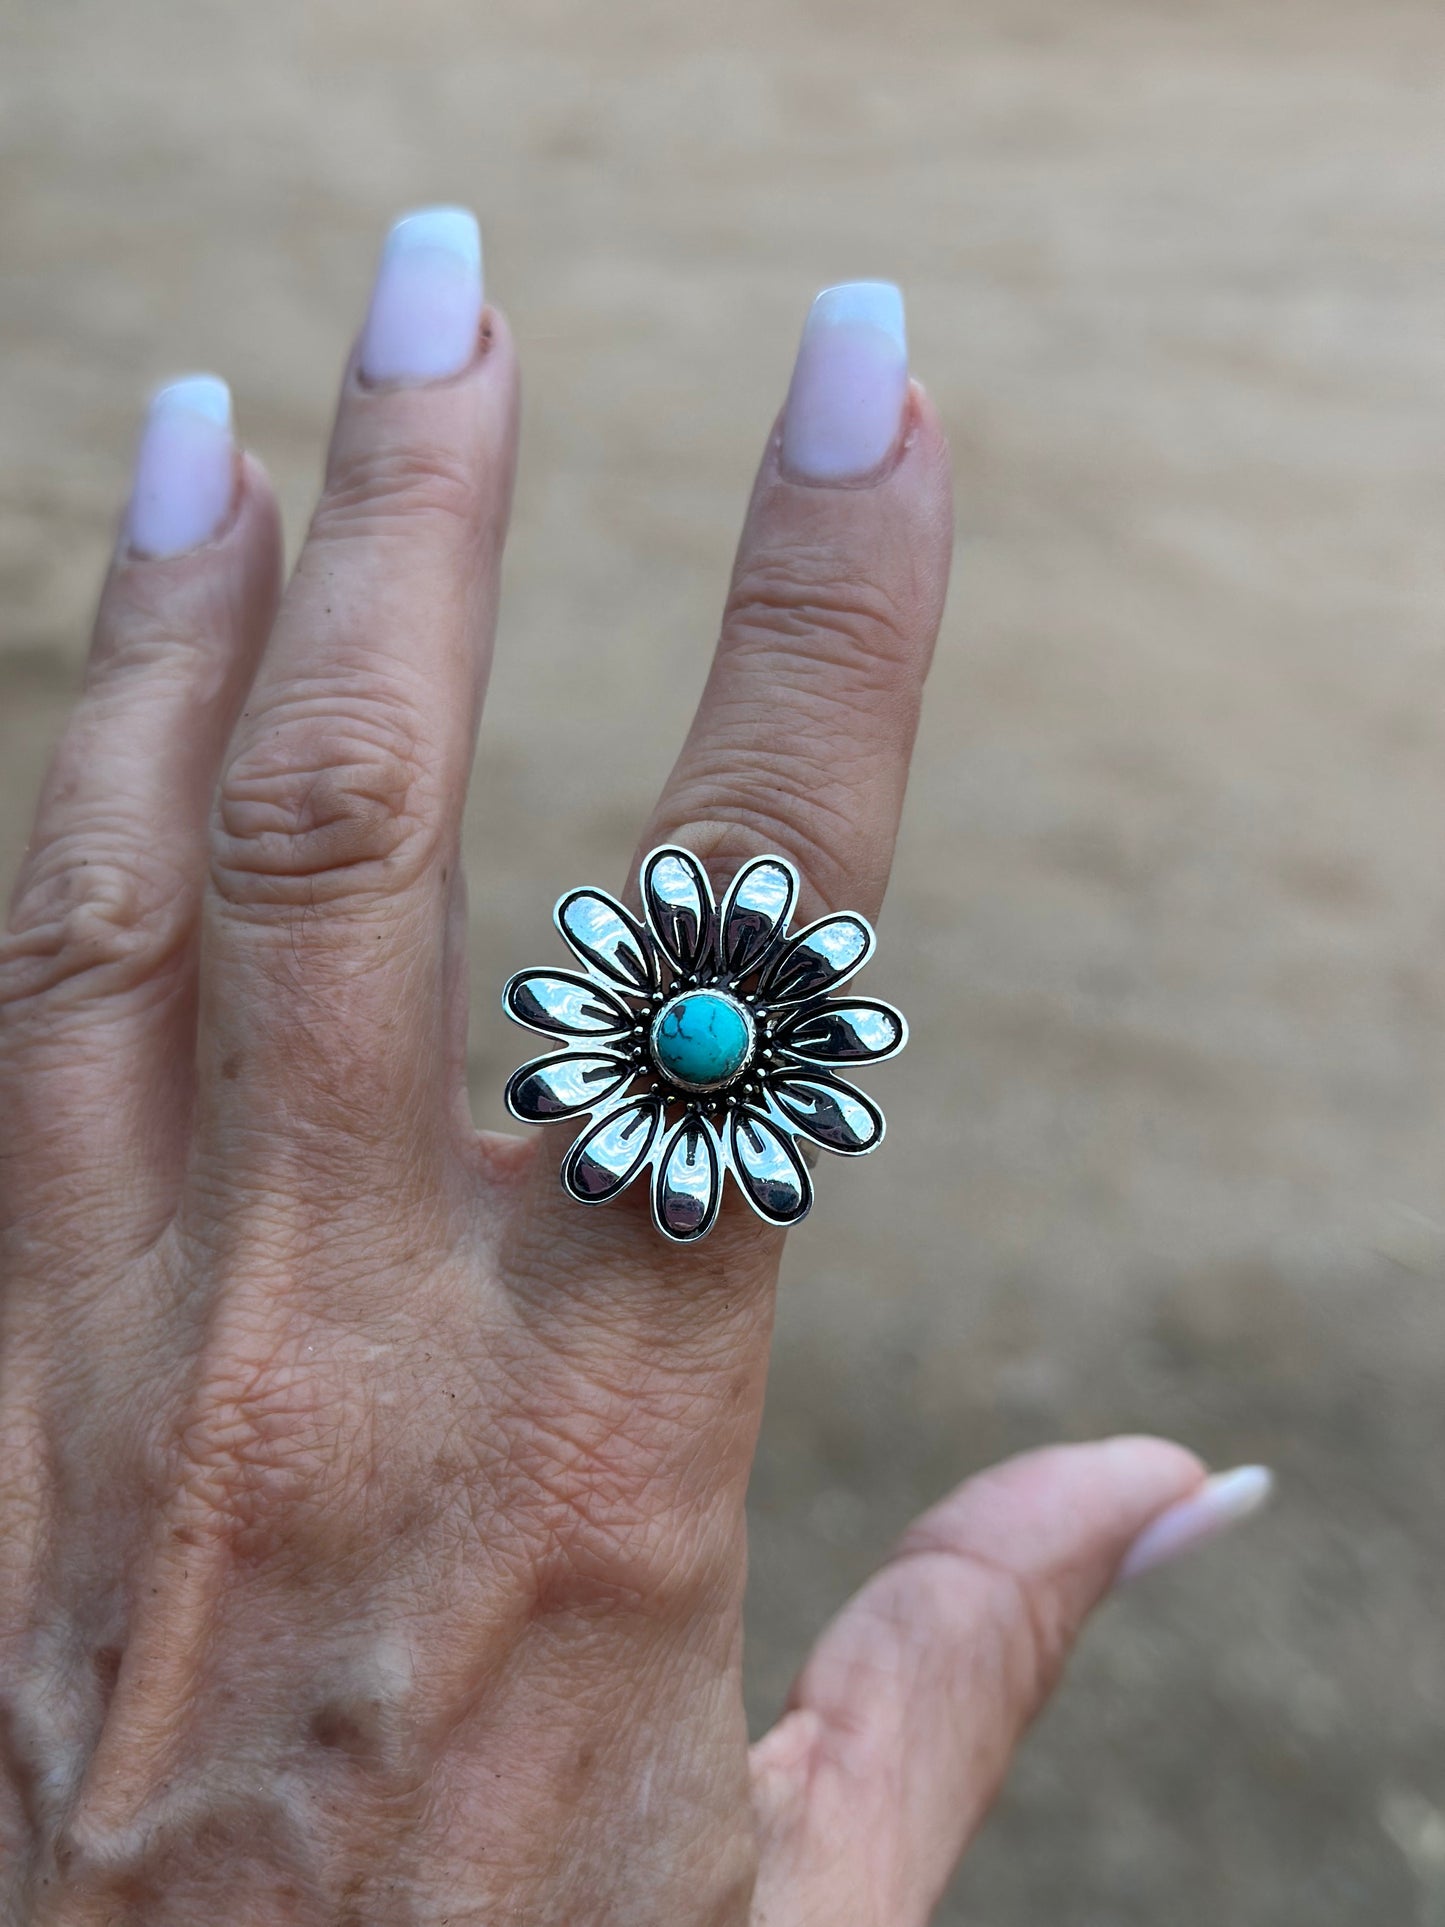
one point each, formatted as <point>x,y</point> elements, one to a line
<point>1169,916</point>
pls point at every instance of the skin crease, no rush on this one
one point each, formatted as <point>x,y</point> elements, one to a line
<point>371,1517</point>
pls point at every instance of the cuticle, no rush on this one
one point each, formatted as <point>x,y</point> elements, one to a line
<point>127,554</point>
<point>358,382</point>
<point>855,484</point>
<point>874,477</point>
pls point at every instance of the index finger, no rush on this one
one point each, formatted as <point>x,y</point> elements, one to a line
<point>800,747</point>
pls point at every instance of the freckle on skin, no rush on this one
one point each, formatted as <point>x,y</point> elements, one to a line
<point>334,1728</point>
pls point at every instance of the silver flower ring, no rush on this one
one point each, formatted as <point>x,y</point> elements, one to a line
<point>702,1041</point>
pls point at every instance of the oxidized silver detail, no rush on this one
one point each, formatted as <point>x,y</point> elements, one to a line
<point>603,1072</point>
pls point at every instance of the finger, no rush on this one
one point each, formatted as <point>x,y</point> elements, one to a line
<point>326,1011</point>
<point>803,735</point>
<point>901,1726</point>
<point>97,972</point>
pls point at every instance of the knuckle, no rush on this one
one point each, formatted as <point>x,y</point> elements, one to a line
<point>376,488</point>
<point>1031,1636</point>
<point>811,607</point>
<point>324,804</point>
<point>45,1724</point>
<point>757,805</point>
<point>89,921</point>
<point>588,1492</point>
<point>155,627</point>
<point>1021,1617</point>
<point>601,1511</point>
<point>23,1461</point>
<point>596,1559</point>
<point>271,1449</point>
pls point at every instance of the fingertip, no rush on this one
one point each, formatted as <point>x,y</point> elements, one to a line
<point>1212,1506</point>
<point>929,463</point>
<point>919,458</point>
<point>1105,1491</point>
<point>423,324</point>
<point>1149,1470</point>
<point>257,525</point>
<point>492,357</point>
<point>256,517</point>
<point>925,437</point>
<point>183,480</point>
<point>220,594</point>
<point>401,449</point>
<point>846,409</point>
<point>1065,1510</point>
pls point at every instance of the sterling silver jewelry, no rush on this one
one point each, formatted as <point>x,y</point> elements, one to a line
<point>702,1041</point>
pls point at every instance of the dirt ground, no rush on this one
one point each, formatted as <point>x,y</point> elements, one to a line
<point>1169,913</point>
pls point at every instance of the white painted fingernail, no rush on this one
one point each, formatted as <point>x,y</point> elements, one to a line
<point>1221,1502</point>
<point>426,306</point>
<point>185,468</point>
<point>850,384</point>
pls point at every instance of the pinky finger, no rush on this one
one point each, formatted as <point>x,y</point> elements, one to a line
<point>97,960</point>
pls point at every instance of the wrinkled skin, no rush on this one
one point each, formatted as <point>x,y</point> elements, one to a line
<point>371,1517</point>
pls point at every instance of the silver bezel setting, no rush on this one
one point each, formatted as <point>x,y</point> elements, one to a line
<point>635,1116</point>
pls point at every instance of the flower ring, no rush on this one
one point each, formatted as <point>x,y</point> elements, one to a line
<point>702,1041</point>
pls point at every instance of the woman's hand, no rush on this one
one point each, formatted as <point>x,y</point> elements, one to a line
<point>371,1516</point>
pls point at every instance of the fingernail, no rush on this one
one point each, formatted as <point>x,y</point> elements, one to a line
<point>426,306</point>
<point>850,383</point>
<point>1221,1502</point>
<point>185,468</point>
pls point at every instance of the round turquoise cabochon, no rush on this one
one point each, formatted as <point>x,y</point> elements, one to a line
<point>702,1039</point>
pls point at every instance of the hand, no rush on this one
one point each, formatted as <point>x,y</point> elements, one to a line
<point>371,1516</point>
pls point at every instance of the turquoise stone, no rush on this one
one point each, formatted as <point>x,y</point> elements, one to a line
<point>702,1039</point>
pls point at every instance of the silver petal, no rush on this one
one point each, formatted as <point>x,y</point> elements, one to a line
<point>606,938</point>
<point>755,912</point>
<point>688,1187</point>
<point>563,1003</point>
<point>829,1111</point>
<point>858,1032</point>
<point>609,1155</point>
<point>818,959</point>
<point>551,1088</point>
<point>678,900</point>
<point>770,1174</point>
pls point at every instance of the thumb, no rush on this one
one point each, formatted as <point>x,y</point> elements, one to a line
<point>902,1724</point>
